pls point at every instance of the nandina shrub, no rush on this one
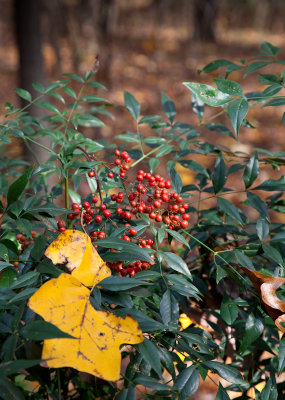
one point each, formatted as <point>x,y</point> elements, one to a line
<point>196,266</point>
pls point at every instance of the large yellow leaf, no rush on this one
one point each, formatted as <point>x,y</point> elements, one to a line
<point>75,248</point>
<point>65,303</point>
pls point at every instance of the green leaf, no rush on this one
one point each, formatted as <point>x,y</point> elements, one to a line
<point>153,164</point>
<point>271,185</point>
<point>169,308</point>
<point>226,372</point>
<point>237,111</point>
<point>92,183</point>
<point>275,103</point>
<point>168,107</point>
<point>256,202</point>
<point>122,245</point>
<point>175,262</point>
<point>281,357</point>
<point>115,283</point>
<point>176,181</point>
<point>41,330</point>
<point>89,120</point>
<point>269,49</point>
<point>219,175</point>
<point>251,334</point>
<point>231,210</point>
<point>132,105</point>
<point>214,127</point>
<point>75,197</point>
<point>69,91</point>
<point>269,392</point>
<point>48,106</point>
<point>49,208</point>
<point>75,77</point>
<point>16,189</point>
<point>243,259</point>
<point>127,394</point>
<point>268,79</point>
<point>251,170</point>
<point>9,391</point>
<point>7,276</point>
<point>229,310</point>
<point>4,253</point>
<point>23,295</point>
<point>93,99</point>
<point>213,65</point>
<point>154,140</point>
<point>222,394</point>
<point>128,137</point>
<point>208,94</point>
<point>198,106</point>
<point>148,381</point>
<point>26,279</point>
<point>187,383</point>
<point>194,166</point>
<point>24,94</point>
<point>177,236</point>
<point>12,367</point>
<point>255,66</point>
<point>272,253</point>
<point>163,150</point>
<point>262,228</point>
<point>229,87</point>
<point>150,354</point>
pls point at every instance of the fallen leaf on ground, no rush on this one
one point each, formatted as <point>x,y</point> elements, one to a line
<point>76,250</point>
<point>64,302</point>
<point>266,287</point>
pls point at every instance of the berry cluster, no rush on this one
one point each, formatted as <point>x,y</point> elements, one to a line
<point>136,266</point>
<point>22,239</point>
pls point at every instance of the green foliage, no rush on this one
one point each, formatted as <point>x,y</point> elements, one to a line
<point>195,268</point>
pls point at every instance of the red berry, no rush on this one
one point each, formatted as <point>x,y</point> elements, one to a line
<point>85,204</point>
<point>69,216</point>
<point>184,224</point>
<point>60,224</point>
<point>179,199</point>
<point>185,205</point>
<point>101,235</point>
<point>185,217</point>
<point>93,234</point>
<point>121,195</point>
<point>150,242</point>
<point>167,220</point>
<point>140,177</point>
<point>118,161</point>
<point>117,152</point>
<point>98,219</point>
<point>91,174</point>
<point>107,213</point>
<point>75,206</point>
<point>114,197</point>
<point>94,199</point>
<point>181,210</point>
<point>128,215</point>
<point>133,232</point>
<point>152,215</point>
<point>110,175</point>
<point>62,229</point>
<point>103,207</point>
<point>167,184</point>
<point>122,175</point>
<point>158,218</point>
<point>119,211</point>
<point>126,238</point>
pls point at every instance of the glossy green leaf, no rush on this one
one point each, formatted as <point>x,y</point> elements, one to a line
<point>153,164</point>
<point>262,228</point>
<point>229,310</point>
<point>177,236</point>
<point>219,175</point>
<point>198,106</point>
<point>175,262</point>
<point>168,107</point>
<point>176,181</point>
<point>215,127</point>
<point>150,354</point>
<point>229,87</point>
<point>281,357</point>
<point>222,394</point>
<point>169,308</point>
<point>194,166</point>
<point>237,111</point>
<point>271,185</point>
<point>17,187</point>
<point>41,330</point>
<point>255,66</point>
<point>230,209</point>
<point>132,105</point>
<point>226,372</point>
<point>269,392</point>
<point>213,65</point>
<point>4,253</point>
<point>148,381</point>
<point>114,283</point>
<point>269,49</point>
<point>208,94</point>
<point>24,94</point>
<point>127,394</point>
<point>251,170</point>
<point>272,253</point>
<point>187,383</point>
<point>253,330</point>
<point>14,366</point>
<point>275,103</point>
<point>256,202</point>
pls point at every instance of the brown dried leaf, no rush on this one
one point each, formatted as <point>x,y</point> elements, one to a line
<point>266,287</point>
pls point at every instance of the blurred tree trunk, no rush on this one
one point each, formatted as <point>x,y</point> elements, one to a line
<point>204,20</point>
<point>31,66</point>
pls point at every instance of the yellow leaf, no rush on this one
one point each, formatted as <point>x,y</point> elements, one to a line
<point>75,248</point>
<point>65,303</point>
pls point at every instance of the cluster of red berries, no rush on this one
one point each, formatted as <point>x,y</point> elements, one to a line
<point>22,239</point>
<point>136,266</point>
<point>25,242</point>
